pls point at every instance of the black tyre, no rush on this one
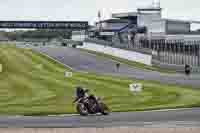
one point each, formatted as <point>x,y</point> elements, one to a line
<point>81,109</point>
<point>104,109</point>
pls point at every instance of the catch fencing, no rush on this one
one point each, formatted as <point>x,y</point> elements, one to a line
<point>174,52</point>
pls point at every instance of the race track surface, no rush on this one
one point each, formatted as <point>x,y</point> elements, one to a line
<point>173,118</point>
<point>83,61</point>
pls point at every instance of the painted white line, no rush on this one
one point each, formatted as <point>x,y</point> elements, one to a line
<point>68,115</point>
<point>169,124</point>
<point>54,59</point>
<point>73,69</point>
<point>166,110</point>
<point>83,71</point>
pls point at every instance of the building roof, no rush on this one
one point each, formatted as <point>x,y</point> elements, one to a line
<point>113,21</point>
<point>150,9</point>
<point>126,14</point>
<point>111,28</point>
<point>115,28</point>
<point>129,27</point>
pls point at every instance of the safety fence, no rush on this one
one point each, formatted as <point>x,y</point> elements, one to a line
<point>169,54</point>
<point>177,52</point>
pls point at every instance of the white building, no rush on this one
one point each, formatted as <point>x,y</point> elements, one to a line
<point>148,21</point>
<point>79,35</point>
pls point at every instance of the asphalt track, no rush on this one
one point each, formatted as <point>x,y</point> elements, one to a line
<point>173,118</point>
<point>83,61</point>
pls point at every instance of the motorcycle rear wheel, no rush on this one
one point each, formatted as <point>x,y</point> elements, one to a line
<point>81,109</point>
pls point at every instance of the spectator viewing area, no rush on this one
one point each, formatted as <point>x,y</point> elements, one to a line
<point>172,42</point>
<point>72,25</point>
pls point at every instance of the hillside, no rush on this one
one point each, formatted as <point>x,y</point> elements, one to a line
<point>32,84</point>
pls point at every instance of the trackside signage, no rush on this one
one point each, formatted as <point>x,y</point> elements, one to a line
<point>68,74</point>
<point>73,25</point>
<point>1,68</point>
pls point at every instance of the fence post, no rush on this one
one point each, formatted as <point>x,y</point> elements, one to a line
<point>159,50</point>
<point>189,54</point>
<point>183,53</point>
<point>193,53</point>
<point>175,53</point>
<point>166,51</point>
<point>170,52</point>
<point>163,49</point>
<point>178,52</point>
<point>198,55</point>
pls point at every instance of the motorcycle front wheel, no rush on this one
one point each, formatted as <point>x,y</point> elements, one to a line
<point>104,109</point>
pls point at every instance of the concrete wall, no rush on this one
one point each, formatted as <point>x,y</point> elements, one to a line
<point>125,54</point>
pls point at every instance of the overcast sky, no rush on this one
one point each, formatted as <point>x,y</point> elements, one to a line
<point>87,9</point>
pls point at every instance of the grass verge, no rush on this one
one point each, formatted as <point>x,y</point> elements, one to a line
<point>32,84</point>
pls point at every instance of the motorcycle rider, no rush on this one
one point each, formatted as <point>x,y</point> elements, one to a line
<point>83,93</point>
<point>187,69</point>
<point>80,92</point>
<point>117,66</point>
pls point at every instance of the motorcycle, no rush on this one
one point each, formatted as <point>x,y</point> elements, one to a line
<point>88,105</point>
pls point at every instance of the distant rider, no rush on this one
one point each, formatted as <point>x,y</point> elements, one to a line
<point>117,66</point>
<point>187,69</point>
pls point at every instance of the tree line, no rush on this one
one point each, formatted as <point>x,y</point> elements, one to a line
<point>37,34</point>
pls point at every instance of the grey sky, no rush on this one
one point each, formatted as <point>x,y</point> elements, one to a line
<point>87,9</point>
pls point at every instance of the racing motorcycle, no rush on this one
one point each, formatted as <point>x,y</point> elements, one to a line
<point>88,105</point>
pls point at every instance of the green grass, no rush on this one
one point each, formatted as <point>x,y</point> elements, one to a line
<point>26,88</point>
<point>131,63</point>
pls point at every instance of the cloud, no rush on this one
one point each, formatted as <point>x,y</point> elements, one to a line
<point>87,9</point>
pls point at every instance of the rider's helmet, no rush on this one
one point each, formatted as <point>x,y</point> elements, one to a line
<point>80,92</point>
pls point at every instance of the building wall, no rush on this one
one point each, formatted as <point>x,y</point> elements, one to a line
<point>151,21</point>
<point>157,27</point>
<point>183,37</point>
<point>177,27</point>
<point>79,36</point>
<point>155,24</point>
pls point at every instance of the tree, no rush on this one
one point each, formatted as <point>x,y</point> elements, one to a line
<point>39,34</point>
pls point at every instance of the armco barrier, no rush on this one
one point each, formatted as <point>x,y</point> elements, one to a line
<point>118,45</point>
<point>177,68</point>
<point>121,53</point>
